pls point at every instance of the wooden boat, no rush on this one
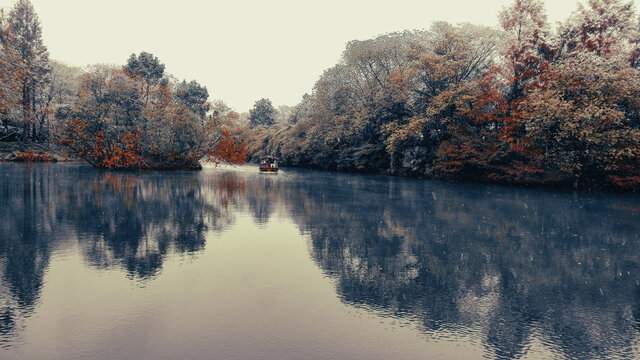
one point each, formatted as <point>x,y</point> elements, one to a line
<point>269,163</point>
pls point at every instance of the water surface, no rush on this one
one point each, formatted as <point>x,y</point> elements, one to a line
<point>232,264</point>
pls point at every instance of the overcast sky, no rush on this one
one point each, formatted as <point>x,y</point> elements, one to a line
<point>244,50</point>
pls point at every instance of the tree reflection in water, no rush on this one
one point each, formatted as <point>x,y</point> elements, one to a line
<point>501,265</point>
<point>504,264</point>
<point>509,262</point>
<point>121,219</point>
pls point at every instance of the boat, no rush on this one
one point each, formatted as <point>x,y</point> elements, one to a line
<point>269,164</point>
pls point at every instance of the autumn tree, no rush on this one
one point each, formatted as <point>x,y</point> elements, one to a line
<point>526,51</point>
<point>603,27</point>
<point>10,81</point>
<point>518,105</point>
<point>583,118</point>
<point>24,39</point>
<point>442,80</point>
<point>527,44</point>
<point>113,125</point>
<point>263,113</point>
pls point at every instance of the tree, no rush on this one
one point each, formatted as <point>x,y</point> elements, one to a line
<point>526,45</point>
<point>146,68</point>
<point>582,120</point>
<point>110,126</point>
<point>301,110</point>
<point>442,80</point>
<point>263,113</point>
<point>57,96</point>
<point>222,114</point>
<point>604,28</point>
<point>193,96</point>
<point>10,81</point>
<point>63,87</point>
<point>284,113</point>
<point>526,53</point>
<point>26,42</point>
<point>524,105</point>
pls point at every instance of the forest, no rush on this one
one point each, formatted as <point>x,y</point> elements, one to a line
<point>134,116</point>
<point>522,104</point>
<point>525,103</point>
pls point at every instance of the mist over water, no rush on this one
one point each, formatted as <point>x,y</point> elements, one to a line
<point>227,263</point>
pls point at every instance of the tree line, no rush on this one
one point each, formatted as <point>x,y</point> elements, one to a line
<point>520,104</point>
<point>134,116</point>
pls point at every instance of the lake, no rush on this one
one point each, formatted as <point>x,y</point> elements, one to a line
<point>227,263</point>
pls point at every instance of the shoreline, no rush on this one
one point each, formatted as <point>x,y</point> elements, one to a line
<point>547,186</point>
<point>57,153</point>
<point>54,153</point>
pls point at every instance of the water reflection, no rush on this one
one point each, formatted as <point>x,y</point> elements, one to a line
<point>515,269</point>
<point>507,265</point>
<point>121,220</point>
<point>504,264</point>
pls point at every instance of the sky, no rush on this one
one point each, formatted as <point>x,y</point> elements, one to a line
<point>244,50</point>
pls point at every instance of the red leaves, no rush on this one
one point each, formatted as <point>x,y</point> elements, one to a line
<point>31,156</point>
<point>229,150</point>
<point>111,149</point>
<point>628,177</point>
<point>117,152</point>
<point>122,154</point>
<point>125,121</point>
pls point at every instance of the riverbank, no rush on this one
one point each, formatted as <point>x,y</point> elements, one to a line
<point>11,151</point>
<point>479,180</point>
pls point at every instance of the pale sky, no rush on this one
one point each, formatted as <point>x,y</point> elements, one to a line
<point>243,50</point>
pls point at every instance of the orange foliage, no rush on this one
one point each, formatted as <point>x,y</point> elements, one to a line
<point>31,156</point>
<point>122,152</point>
<point>228,150</point>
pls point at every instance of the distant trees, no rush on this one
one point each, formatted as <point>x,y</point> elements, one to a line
<point>524,104</point>
<point>521,105</point>
<point>129,117</point>
<point>284,113</point>
<point>263,113</point>
<point>62,90</point>
<point>135,118</point>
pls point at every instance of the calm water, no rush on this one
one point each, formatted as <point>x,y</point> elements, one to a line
<point>232,264</point>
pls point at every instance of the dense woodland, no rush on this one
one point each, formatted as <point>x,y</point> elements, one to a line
<point>524,104</point>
